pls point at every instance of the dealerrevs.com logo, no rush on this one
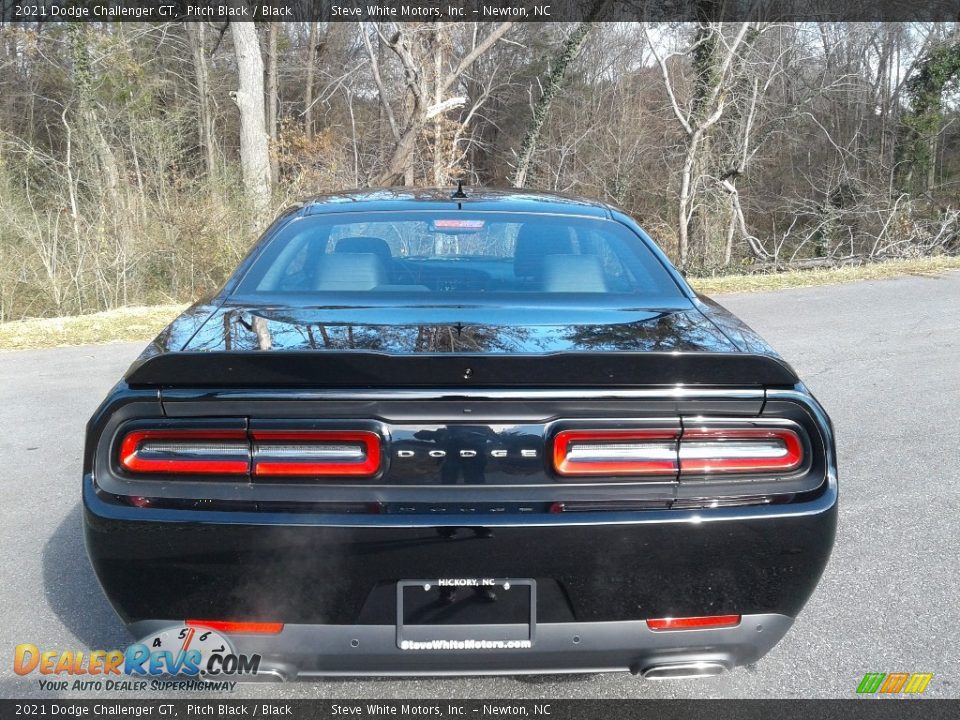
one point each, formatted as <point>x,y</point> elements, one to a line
<point>197,657</point>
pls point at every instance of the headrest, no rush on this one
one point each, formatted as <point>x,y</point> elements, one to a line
<point>534,242</point>
<point>364,244</point>
<point>573,274</point>
<point>349,271</point>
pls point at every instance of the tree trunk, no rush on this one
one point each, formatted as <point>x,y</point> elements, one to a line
<point>568,53</point>
<point>196,35</point>
<point>113,288</point>
<point>272,101</point>
<point>683,207</point>
<point>439,167</point>
<point>400,168</point>
<point>254,148</point>
<point>311,63</point>
<point>83,79</point>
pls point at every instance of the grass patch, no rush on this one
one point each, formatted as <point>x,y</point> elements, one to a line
<point>124,324</point>
<point>136,324</point>
<point>823,276</point>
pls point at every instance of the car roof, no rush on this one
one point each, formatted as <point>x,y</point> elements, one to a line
<point>479,199</point>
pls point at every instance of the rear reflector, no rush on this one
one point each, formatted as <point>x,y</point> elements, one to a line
<point>213,452</point>
<point>694,623</point>
<point>315,453</point>
<point>616,452</point>
<point>249,628</point>
<point>733,450</point>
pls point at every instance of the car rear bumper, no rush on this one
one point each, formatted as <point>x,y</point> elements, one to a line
<point>304,651</point>
<point>331,581</point>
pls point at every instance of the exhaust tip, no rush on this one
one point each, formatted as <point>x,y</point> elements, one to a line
<point>272,674</point>
<point>681,671</point>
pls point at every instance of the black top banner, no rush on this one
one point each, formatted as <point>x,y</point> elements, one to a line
<point>221,11</point>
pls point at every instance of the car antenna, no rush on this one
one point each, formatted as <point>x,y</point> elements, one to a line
<point>459,194</point>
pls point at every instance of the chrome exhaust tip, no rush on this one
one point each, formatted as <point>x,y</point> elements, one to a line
<point>685,670</point>
<point>272,674</point>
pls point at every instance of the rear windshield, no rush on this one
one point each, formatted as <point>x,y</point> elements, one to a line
<point>456,257</point>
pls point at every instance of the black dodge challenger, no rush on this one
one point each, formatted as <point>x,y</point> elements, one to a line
<point>419,432</point>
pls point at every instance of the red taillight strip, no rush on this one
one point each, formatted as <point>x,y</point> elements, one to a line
<point>136,442</point>
<point>228,626</point>
<point>694,623</point>
<point>708,450</point>
<point>630,452</point>
<point>314,442</point>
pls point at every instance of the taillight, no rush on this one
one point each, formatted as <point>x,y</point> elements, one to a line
<point>199,451</point>
<point>315,453</point>
<point>257,453</point>
<point>694,623</point>
<point>694,451</point>
<point>616,452</point>
<point>706,451</point>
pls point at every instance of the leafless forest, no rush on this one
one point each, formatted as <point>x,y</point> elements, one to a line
<point>138,162</point>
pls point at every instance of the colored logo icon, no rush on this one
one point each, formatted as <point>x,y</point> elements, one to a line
<point>893,683</point>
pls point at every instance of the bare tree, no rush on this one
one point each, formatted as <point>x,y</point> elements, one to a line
<point>196,34</point>
<point>567,53</point>
<point>793,145</point>
<point>312,41</point>
<point>254,148</point>
<point>419,104</point>
<point>272,99</point>
<point>697,117</point>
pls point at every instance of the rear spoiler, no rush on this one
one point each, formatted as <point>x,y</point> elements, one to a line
<point>357,369</point>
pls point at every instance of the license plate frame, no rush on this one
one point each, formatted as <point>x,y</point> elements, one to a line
<point>492,632</point>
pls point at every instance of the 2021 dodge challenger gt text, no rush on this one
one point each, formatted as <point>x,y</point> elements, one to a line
<point>424,433</point>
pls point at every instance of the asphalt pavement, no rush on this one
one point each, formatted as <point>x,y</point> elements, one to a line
<point>884,359</point>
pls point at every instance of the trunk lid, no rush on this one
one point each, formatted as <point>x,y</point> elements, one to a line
<point>479,347</point>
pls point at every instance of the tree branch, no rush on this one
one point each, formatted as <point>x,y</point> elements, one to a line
<point>478,50</point>
<point>378,81</point>
<point>684,123</point>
